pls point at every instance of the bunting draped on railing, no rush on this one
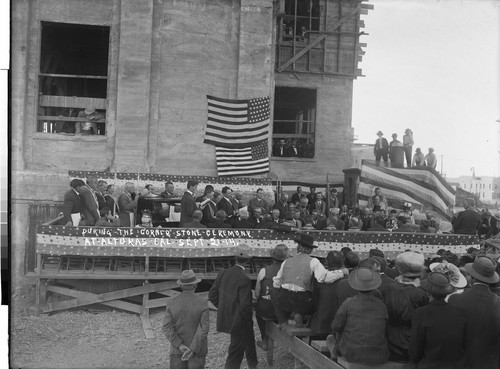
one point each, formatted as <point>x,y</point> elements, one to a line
<point>422,186</point>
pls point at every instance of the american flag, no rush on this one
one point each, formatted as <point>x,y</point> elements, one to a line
<point>243,161</point>
<point>237,123</point>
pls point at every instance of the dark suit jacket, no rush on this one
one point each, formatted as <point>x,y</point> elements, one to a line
<point>467,222</point>
<point>482,314</point>
<point>72,204</point>
<point>89,206</point>
<point>438,336</point>
<point>231,293</point>
<point>226,205</point>
<point>126,206</point>
<point>187,322</point>
<point>188,206</point>
<point>209,213</point>
<point>218,224</point>
<point>384,149</point>
<point>257,203</point>
<point>321,208</point>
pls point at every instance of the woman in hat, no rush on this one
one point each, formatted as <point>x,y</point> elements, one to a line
<point>294,282</point>
<point>438,329</point>
<point>359,327</point>
<point>457,279</point>
<point>264,309</point>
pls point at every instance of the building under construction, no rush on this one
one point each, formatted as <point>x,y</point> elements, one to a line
<point>146,68</point>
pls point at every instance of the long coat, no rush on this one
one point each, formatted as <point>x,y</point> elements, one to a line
<point>90,207</point>
<point>482,314</point>
<point>72,204</point>
<point>188,206</point>
<point>232,294</point>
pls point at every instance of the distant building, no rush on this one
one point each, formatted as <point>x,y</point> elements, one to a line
<point>487,189</point>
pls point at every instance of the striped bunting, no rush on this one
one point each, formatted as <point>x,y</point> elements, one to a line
<point>237,123</point>
<point>243,161</point>
<point>420,186</point>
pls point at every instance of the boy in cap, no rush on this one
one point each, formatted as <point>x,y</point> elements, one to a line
<point>438,329</point>
<point>359,327</point>
<point>293,283</point>
<point>186,325</point>
<point>402,298</point>
<point>231,293</point>
<point>264,309</point>
<point>482,314</point>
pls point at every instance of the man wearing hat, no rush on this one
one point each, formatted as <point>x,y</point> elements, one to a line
<point>430,159</point>
<point>381,149</point>
<point>88,127</point>
<point>467,221</point>
<point>359,327</point>
<point>186,325</point>
<point>264,309</point>
<point>408,146</point>
<point>231,293</point>
<point>402,298</point>
<point>293,283</point>
<point>438,329</point>
<point>482,313</point>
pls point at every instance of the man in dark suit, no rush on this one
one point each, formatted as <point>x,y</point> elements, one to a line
<point>282,206</point>
<point>220,220</point>
<point>72,203</point>
<point>196,222</point>
<point>482,314</point>
<point>319,205</point>
<point>225,203</point>
<point>90,204</point>
<point>381,149</point>
<point>126,205</point>
<point>243,222</point>
<point>231,293</point>
<point>258,202</point>
<point>188,203</point>
<point>209,208</point>
<point>186,325</point>
<point>467,221</point>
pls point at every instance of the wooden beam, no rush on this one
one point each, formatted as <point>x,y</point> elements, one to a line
<point>318,40</point>
<point>128,306</point>
<point>108,296</point>
<point>147,327</point>
<point>299,349</point>
<point>367,6</point>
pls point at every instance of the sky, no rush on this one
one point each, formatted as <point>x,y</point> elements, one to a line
<point>433,66</point>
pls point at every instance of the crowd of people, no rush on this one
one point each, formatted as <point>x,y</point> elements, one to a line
<point>439,312</point>
<point>92,203</point>
<point>398,152</point>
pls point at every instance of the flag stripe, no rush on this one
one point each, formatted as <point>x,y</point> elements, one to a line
<point>243,160</point>
<point>227,102</point>
<point>228,127</point>
<point>237,132</point>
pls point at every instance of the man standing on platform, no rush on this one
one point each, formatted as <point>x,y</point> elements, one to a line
<point>126,205</point>
<point>381,149</point>
<point>231,293</point>
<point>188,203</point>
<point>186,325</point>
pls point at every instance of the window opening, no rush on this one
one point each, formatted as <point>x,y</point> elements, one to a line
<point>294,122</point>
<point>73,79</point>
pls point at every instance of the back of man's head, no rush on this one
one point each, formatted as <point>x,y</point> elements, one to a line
<point>197,215</point>
<point>351,260</point>
<point>220,215</point>
<point>371,263</point>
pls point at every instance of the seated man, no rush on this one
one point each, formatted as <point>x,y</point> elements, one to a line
<point>220,220</point>
<point>359,327</point>
<point>243,221</point>
<point>196,222</point>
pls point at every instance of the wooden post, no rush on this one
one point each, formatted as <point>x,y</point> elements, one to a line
<point>39,273</point>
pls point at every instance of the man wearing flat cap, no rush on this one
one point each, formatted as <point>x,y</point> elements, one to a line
<point>186,325</point>
<point>231,293</point>
<point>482,313</point>
<point>359,327</point>
<point>402,298</point>
<point>264,309</point>
<point>293,283</point>
<point>438,329</point>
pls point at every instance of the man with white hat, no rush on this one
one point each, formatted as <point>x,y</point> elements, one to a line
<point>231,293</point>
<point>482,313</point>
<point>186,325</point>
<point>402,298</point>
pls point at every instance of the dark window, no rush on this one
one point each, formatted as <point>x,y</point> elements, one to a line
<point>294,122</point>
<point>73,79</point>
<point>300,17</point>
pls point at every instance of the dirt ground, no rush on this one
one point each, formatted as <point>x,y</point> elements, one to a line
<point>99,338</point>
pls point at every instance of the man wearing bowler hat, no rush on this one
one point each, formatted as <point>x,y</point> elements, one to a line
<point>231,293</point>
<point>482,314</point>
<point>438,329</point>
<point>186,325</point>
<point>359,327</point>
<point>264,309</point>
<point>293,283</point>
